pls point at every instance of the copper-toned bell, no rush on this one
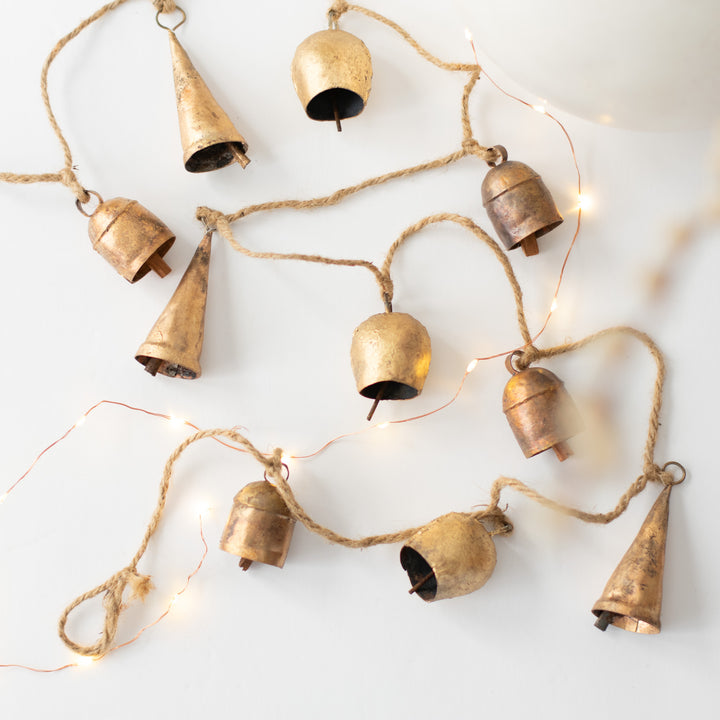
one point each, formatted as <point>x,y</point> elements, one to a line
<point>519,204</point>
<point>174,344</point>
<point>130,238</point>
<point>451,556</point>
<point>332,72</point>
<point>209,139</point>
<point>541,413</point>
<point>390,356</point>
<point>632,598</point>
<point>260,526</point>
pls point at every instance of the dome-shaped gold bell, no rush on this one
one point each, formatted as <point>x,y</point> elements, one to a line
<point>260,526</point>
<point>390,357</point>
<point>451,556</point>
<point>541,413</point>
<point>130,237</point>
<point>332,72</point>
<point>519,204</point>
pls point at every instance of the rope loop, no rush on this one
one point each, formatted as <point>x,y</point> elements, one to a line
<point>336,11</point>
<point>69,179</point>
<point>165,6</point>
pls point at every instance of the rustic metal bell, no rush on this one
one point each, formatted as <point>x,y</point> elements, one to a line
<point>209,139</point>
<point>632,598</point>
<point>519,204</point>
<point>390,357</point>
<point>332,72</point>
<point>541,413</point>
<point>174,344</point>
<point>451,556</point>
<point>260,526</point>
<point>130,238</point>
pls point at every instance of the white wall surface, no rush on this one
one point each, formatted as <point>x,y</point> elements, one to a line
<point>335,634</point>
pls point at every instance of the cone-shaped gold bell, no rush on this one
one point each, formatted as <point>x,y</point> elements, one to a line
<point>390,357</point>
<point>130,238</point>
<point>519,204</point>
<point>540,411</point>
<point>451,556</point>
<point>174,344</point>
<point>632,598</point>
<point>260,526</point>
<point>209,139</point>
<point>332,73</point>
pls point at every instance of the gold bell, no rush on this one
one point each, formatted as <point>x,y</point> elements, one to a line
<point>260,526</point>
<point>332,72</point>
<point>519,204</point>
<point>390,357</point>
<point>130,237</point>
<point>541,413</point>
<point>209,139</point>
<point>632,598</point>
<point>175,342</point>
<point>451,556</point>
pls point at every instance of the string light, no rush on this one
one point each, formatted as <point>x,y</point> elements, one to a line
<point>554,305</point>
<point>177,421</point>
<point>471,366</point>
<point>80,421</point>
<point>382,426</point>
<point>540,108</point>
<point>585,202</point>
<point>85,660</point>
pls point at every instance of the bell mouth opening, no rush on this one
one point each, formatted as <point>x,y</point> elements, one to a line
<point>538,233</point>
<point>323,105</point>
<point>626,622</point>
<point>167,368</point>
<point>418,568</point>
<point>145,268</point>
<point>391,390</point>
<point>214,157</point>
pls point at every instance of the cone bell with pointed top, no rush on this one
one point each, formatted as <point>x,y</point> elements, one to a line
<point>632,599</point>
<point>209,139</point>
<point>174,344</point>
<point>455,555</point>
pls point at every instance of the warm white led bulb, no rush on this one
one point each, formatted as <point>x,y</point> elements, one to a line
<point>471,365</point>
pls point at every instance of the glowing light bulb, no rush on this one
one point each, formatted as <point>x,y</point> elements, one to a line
<point>468,35</point>
<point>585,202</point>
<point>3,498</point>
<point>173,600</point>
<point>80,421</point>
<point>539,108</point>
<point>554,305</point>
<point>85,659</point>
<point>204,509</point>
<point>471,366</point>
<point>382,426</point>
<point>176,421</point>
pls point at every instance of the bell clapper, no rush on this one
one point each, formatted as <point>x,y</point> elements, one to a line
<point>156,263</point>
<point>529,245</point>
<point>153,365</point>
<point>244,564</point>
<point>240,157</point>
<point>562,451</point>
<point>604,619</point>
<point>378,398</point>
<point>421,582</point>
<point>337,117</point>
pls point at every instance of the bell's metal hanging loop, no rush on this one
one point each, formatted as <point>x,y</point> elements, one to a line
<point>332,74</point>
<point>632,599</point>
<point>129,237</point>
<point>451,556</point>
<point>209,139</point>
<point>260,526</point>
<point>390,356</point>
<point>518,203</point>
<point>540,411</point>
<point>174,344</point>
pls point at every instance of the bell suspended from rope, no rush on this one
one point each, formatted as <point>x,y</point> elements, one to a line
<point>540,411</point>
<point>519,204</point>
<point>390,357</point>
<point>332,73</point>
<point>174,344</point>
<point>632,599</point>
<point>260,526</point>
<point>129,237</point>
<point>451,556</point>
<point>209,139</point>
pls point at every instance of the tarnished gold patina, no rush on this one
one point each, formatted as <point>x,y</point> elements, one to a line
<point>451,556</point>
<point>260,526</point>
<point>174,344</point>
<point>332,73</point>
<point>130,238</point>
<point>632,599</point>
<point>209,139</point>
<point>519,204</point>
<point>390,356</point>
<point>541,413</point>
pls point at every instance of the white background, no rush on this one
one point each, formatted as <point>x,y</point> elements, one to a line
<point>335,634</point>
